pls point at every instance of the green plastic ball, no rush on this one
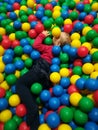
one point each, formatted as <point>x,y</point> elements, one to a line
<point>95,21</point>
<point>64,65</point>
<point>86,104</point>
<point>73,15</point>
<point>10,125</point>
<point>87,8</point>
<point>48,41</point>
<point>36,88</point>
<point>91,35</point>
<point>85,76</point>
<point>95,42</point>
<point>79,128</point>
<point>4,23</point>
<point>11,79</point>
<point>43,2</point>
<point>83,39</point>
<point>59,21</point>
<point>72,4</point>
<point>30,11</point>
<point>22,12</point>
<point>23,71</point>
<point>17,119</point>
<point>95,56</point>
<point>66,114</point>
<point>48,13</point>
<point>47,24</point>
<point>3,9</point>
<point>24,18</point>
<point>28,62</point>
<point>80,117</point>
<point>18,50</point>
<point>64,57</point>
<point>77,70</point>
<point>9,29</point>
<point>8,94</point>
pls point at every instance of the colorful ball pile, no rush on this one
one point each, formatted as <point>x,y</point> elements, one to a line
<point>72,102</point>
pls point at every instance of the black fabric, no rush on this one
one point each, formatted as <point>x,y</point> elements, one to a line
<point>38,73</point>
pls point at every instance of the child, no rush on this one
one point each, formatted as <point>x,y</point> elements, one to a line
<point>38,73</point>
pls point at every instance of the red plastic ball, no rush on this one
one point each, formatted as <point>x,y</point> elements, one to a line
<point>95,27</point>
<point>15,43</point>
<point>24,126</point>
<point>82,51</point>
<point>5,37</point>
<point>68,28</point>
<point>48,7</point>
<point>86,2</point>
<point>32,18</point>
<point>39,28</point>
<point>16,6</point>
<point>72,88</point>
<point>1,126</point>
<point>32,33</point>
<point>21,110</point>
<point>77,62</point>
<point>95,97</point>
<point>89,19</point>
<point>2,92</point>
<point>6,43</point>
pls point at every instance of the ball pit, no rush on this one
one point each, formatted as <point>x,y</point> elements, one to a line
<point>72,101</point>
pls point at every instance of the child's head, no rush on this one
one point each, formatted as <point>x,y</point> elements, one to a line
<point>63,39</point>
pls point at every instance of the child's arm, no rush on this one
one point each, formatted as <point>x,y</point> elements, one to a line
<point>38,41</point>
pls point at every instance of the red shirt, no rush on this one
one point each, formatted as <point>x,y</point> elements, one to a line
<point>45,50</point>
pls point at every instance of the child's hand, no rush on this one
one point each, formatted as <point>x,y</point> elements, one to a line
<point>46,33</point>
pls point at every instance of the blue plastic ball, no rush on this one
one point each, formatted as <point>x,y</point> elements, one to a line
<point>41,118</point>
<point>24,42</point>
<point>54,3</point>
<point>78,26</point>
<point>3,103</point>
<point>64,99</point>
<point>56,50</point>
<point>9,52</point>
<point>10,68</point>
<point>87,59</point>
<point>17,24</point>
<point>94,14</point>
<point>93,115</point>
<point>44,18</point>
<point>82,15</point>
<point>45,95</point>
<point>7,58</point>
<point>58,90</point>
<point>54,103</point>
<point>65,82</point>
<point>80,83</point>
<point>27,49</point>
<point>66,48</point>
<point>56,60</point>
<point>39,14</point>
<point>9,7</point>
<point>33,24</point>
<point>13,16</point>
<point>19,64</point>
<point>53,120</point>
<point>64,14</point>
<point>80,7</point>
<point>73,52</point>
<point>91,126</point>
<point>41,8</point>
<point>35,55</point>
<point>54,68</point>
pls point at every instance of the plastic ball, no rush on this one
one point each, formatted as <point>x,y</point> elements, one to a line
<point>64,72</point>
<point>30,3</point>
<point>21,110</point>
<point>39,28</point>
<point>64,127</point>
<point>95,96</point>
<point>64,99</point>
<point>2,31</point>
<point>3,104</point>
<point>91,35</point>
<point>68,28</point>
<point>54,68</point>
<point>73,15</point>
<point>56,14</point>
<point>53,120</point>
<point>75,98</point>
<point>74,78</point>
<point>1,78</point>
<point>57,90</point>
<point>55,77</point>
<point>80,83</point>
<point>10,124</point>
<point>24,126</point>
<point>14,100</point>
<point>75,36</point>
<point>44,127</point>
<point>87,68</point>
<point>64,57</point>
<point>36,88</point>
<point>47,24</point>
<point>82,51</point>
<point>1,50</point>
<point>9,68</point>
<point>2,92</point>
<point>27,49</point>
<point>91,126</point>
<point>39,14</point>
<point>35,54</point>
<point>93,115</point>
<point>94,56</point>
<point>54,103</point>
<point>86,30</point>
<point>56,60</point>
<point>80,117</point>
<point>26,27</point>
<point>76,43</point>
<point>48,41</point>
<point>45,95</point>
<point>1,126</point>
<point>6,43</point>
<point>5,115</point>
<point>67,21</point>
<point>32,33</point>
<point>2,67</point>
<point>65,82</point>
<point>66,114</point>
<point>56,50</point>
<point>94,6</point>
<point>18,50</point>
<point>56,32</point>
<point>11,79</point>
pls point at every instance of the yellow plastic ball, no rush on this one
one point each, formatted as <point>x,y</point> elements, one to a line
<point>93,50</point>
<point>87,68</point>
<point>55,77</point>
<point>64,127</point>
<point>26,27</point>
<point>17,73</point>
<point>56,32</point>
<point>67,21</point>
<point>96,66</point>
<point>88,45</point>
<point>85,30</point>
<point>75,98</point>
<point>23,7</point>
<point>5,115</point>
<point>2,31</point>
<point>94,74</point>
<point>75,36</point>
<point>30,3</point>
<point>56,14</point>
<point>0,58</point>
<point>4,85</point>
<point>76,1</point>
<point>95,6</point>
<point>17,12</point>
<point>64,72</point>
<point>44,127</point>
<point>14,100</point>
<point>24,57</point>
<point>1,77</point>
<point>74,78</point>
<point>12,36</point>
<point>2,50</point>
<point>76,43</point>
<point>2,67</point>
<point>90,1</point>
<point>57,8</point>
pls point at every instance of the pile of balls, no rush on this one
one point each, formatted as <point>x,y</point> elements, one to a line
<point>72,102</point>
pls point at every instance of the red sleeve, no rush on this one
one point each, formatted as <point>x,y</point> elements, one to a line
<point>38,43</point>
